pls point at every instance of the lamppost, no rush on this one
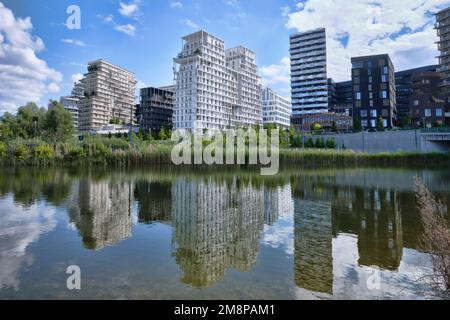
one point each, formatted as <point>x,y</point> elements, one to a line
<point>35,120</point>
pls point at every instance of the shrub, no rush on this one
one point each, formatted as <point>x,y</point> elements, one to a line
<point>331,144</point>
<point>75,153</point>
<point>3,149</point>
<point>43,152</point>
<point>20,152</point>
<point>436,235</point>
<point>320,144</point>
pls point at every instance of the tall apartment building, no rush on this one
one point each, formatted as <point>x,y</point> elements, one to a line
<point>108,94</point>
<point>373,80</point>
<point>215,88</point>
<point>276,109</point>
<point>156,108</point>
<point>404,90</point>
<point>443,32</point>
<point>72,103</point>
<point>309,82</point>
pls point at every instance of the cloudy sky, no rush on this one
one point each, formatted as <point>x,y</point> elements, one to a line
<point>40,57</point>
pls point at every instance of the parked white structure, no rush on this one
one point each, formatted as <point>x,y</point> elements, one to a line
<point>276,109</point>
<point>215,88</point>
<point>309,72</point>
<point>108,93</point>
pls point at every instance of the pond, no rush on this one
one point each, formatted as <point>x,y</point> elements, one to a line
<point>174,234</point>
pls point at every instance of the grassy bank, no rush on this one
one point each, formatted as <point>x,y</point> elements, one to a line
<point>118,152</point>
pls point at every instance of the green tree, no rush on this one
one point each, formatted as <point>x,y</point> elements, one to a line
<point>26,124</point>
<point>357,125</point>
<point>406,121</point>
<point>114,121</point>
<point>162,134</point>
<point>334,127</point>
<point>316,127</point>
<point>380,123</point>
<point>292,136</point>
<point>58,124</point>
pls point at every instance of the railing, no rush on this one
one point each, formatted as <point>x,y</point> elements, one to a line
<point>435,130</point>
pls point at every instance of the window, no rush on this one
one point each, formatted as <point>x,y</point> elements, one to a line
<point>383,78</point>
<point>371,103</point>
<point>373,123</point>
<point>370,87</point>
<point>357,65</point>
<point>356,72</point>
<point>373,113</point>
<point>364,123</point>
<point>384,123</point>
<point>358,96</point>
<point>370,95</point>
<point>416,102</point>
<point>363,113</point>
<point>438,112</point>
<point>358,104</point>
<point>369,64</point>
<point>386,103</point>
<point>385,113</point>
<point>427,112</point>
<point>356,80</point>
<point>369,72</point>
<point>383,94</point>
<point>385,70</point>
<point>381,62</point>
<point>370,79</point>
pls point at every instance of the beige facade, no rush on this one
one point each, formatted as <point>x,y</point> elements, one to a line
<point>108,93</point>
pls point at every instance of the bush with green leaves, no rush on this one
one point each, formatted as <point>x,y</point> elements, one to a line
<point>3,149</point>
<point>20,152</point>
<point>75,152</point>
<point>43,152</point>
<point>330,144</point>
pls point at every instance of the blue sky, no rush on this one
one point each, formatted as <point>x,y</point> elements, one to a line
<point>144,35</point>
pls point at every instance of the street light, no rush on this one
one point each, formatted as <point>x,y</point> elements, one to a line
<point>35,120</point>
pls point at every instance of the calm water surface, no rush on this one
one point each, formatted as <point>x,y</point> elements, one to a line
<point>159,234</point>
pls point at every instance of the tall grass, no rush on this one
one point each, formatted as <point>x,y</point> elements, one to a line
<point>119,153</point>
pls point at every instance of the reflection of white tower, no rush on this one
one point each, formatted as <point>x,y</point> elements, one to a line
<point>216,226</point>
<point>313,245</point>
<point>102,213</point>
<point>277,203</point>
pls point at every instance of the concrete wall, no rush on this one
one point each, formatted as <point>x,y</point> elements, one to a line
<point>389,141</point>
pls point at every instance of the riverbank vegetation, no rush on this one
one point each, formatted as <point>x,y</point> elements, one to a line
<point>39,137</point>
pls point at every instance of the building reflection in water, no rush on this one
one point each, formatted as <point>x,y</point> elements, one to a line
<point>313,245</point>
<point>216,226</point>
<point>277,203</point>
<point>101,211</point>
<point>154,201</point>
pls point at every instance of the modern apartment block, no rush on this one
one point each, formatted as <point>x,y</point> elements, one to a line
<point>427,108</point>
<point>156,108</point>
<point>216,88</point>
<point>344,98</point>
<point>108,93</point>
<point>276,109</point>
<point>309,82</point>
<point>404,90</point>
<point>443,32</point>
<point>72,103</point>
<point>373,80</point>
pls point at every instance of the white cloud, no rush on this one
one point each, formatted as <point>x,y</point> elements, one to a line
<point>128,29</point>
<point>176,4</point>
<point>24,77</point>
<point>189,23</point>
<point>77,77</point>
<point>74,42</point>
<point>109,18</point>
<point>401,28</point>
<point>130,10</point>
<point>276,73</point>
